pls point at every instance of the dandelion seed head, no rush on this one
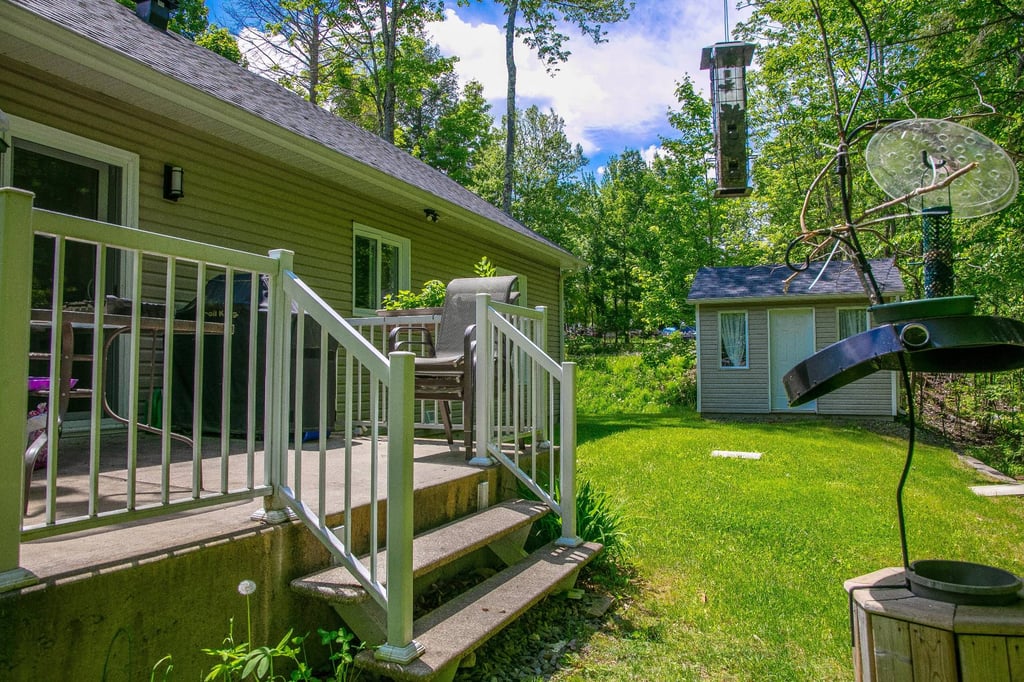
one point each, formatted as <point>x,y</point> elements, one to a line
<point>246,587</point>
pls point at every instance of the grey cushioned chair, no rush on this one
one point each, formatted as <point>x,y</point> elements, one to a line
<point>443,372</point>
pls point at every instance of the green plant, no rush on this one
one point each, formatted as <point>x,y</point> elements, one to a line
<point>243,661</point>
<point>597,520</point>
<point>484,268</point>
<point>430,296</point>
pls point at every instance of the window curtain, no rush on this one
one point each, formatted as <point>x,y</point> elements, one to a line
<point>852,321</point>
<point>734,339</point>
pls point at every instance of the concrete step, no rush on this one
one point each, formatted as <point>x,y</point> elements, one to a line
<point>435,549</point>
<point>454,630</point>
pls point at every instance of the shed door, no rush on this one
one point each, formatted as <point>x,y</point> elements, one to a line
<point>791,341</point>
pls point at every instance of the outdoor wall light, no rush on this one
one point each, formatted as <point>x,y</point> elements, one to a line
<point>431,215</point>
<point>174,182</point>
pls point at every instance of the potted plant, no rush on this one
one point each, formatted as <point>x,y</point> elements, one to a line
<point>428,301</point>
<point>430,298</point>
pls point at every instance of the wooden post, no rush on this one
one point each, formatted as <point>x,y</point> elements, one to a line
<point>15,302</point>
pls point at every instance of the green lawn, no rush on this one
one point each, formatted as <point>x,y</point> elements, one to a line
<point>740,564</point>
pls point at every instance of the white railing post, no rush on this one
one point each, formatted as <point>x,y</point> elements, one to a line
<point>540,400</point>
<point>400,647</point>
<point>275,437</point>
<point>483,382</point>
<point>567,460</point>
<point>15,302</point>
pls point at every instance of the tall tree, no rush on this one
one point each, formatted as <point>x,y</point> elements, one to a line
<point>452,133</point>
<point>537,23</point>
<point>289,40</point>
<point>546,172</point>
<point>382,43</point>
<point>191,19</point>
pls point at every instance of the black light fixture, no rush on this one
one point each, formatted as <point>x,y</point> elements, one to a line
<point>727,62</point>
<point>174,182</point>
<point>431,215</point>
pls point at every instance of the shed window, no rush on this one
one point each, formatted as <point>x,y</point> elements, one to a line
<point>852,321</point>
<point>380,266</point>
<point>733,328</point>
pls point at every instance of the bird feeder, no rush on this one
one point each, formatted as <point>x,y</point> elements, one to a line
<point>727,63</point>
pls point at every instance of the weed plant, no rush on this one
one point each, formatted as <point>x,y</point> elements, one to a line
<point>241,660</point>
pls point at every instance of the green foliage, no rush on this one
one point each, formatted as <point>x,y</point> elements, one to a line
<point>484,268</point>
<point>597,520</point>
<point>244,661</point>
<point>449,132</point>
<point>660,378</point>
<point>430,296</point>
<point>218,39</point>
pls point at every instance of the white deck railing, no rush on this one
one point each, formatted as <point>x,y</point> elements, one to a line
<point>230,372</point>
<point>376,331</point>
<point>517,422</point>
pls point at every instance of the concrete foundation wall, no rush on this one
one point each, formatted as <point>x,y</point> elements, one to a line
<point>114,622</point>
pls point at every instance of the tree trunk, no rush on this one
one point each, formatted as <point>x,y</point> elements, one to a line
<point>510,107</point>
<point>314,56</point>
<point>390,32</point>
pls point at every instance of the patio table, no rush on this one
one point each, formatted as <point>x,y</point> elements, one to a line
<point>113,326</point>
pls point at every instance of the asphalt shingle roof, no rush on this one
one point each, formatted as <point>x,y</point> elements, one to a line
<point>114,26</point>
<point>768,281</point>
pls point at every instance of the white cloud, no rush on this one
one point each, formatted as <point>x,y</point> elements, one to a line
<point>652,152</point>
<point>619,88</point>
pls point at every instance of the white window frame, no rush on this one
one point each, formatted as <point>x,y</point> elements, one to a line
<point>128,162</point>
<point>839,312</point>
<point>746,339</point>
<point>404,261</point>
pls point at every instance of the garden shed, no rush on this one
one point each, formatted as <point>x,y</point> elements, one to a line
<point>752,328</point>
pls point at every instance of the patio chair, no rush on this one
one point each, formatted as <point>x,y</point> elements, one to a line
<point>34,423</point>
<point>445,365</point>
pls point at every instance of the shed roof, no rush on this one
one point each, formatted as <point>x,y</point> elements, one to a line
<point>116,28</point>
<point>746,283</point>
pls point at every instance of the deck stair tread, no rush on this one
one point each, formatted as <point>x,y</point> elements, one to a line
<point>431,550</point>
<point>456,628</point>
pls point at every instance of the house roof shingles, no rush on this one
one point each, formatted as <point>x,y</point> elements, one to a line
<point>735,283</point>
<point>114,26</point>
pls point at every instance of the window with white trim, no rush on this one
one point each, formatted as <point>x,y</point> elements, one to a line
<point>77,176</point>
<point>732,329</point>
<point>380,266</point>
<point>851,321</point>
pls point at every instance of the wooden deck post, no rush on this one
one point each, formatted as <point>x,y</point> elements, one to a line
<point>15,302</point>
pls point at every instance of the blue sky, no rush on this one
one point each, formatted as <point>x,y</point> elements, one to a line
<point>612,96</point>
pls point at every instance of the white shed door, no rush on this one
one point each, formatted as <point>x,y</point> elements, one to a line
<point>791,341</point>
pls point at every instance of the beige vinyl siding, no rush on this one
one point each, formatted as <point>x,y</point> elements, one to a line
<point>869,396</point>
<point>728,390</point>
<point>250,202</point>
<point>747,390</point>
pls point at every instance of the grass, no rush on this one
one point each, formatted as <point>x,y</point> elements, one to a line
<point>740,564</point>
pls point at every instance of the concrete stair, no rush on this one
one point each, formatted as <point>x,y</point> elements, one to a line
<point>454,630</point>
